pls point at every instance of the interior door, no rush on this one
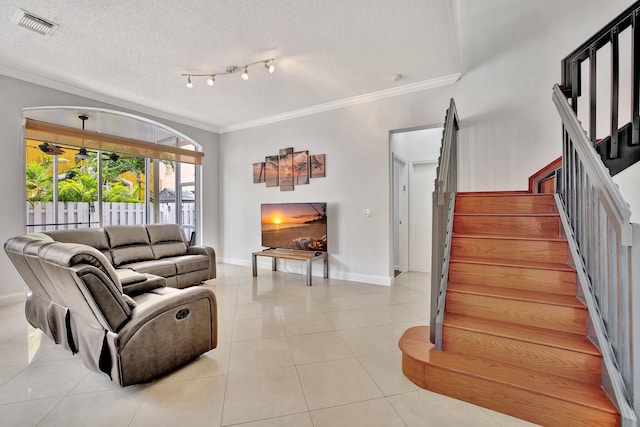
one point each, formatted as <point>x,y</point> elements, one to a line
<point>400,215</point>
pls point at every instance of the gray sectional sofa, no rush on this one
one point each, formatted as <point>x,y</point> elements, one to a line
<point>110,296</point>
<point>157,250</point>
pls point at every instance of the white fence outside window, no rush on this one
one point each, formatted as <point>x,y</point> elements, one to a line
<point>80,215</point>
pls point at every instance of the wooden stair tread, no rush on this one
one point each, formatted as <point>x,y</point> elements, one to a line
<point>517,294</point>
<point>507,237</point>
<point>558,339</point>
<point>526,215</point>
<point>521,193</point>
<point>514,263</point>
<point>414,343</point>
<point>525,203</point>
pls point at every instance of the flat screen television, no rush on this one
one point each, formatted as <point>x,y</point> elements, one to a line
<point>301,226</point>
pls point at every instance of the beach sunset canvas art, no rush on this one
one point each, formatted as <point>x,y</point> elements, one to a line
<point>301,167</point>
<point>285,169</point>
<point>258,173</point>
<point>317,162</point>
<point>289,168</point>
<point>271,171</point>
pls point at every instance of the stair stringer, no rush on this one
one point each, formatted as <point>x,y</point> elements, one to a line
<point>612,380</point>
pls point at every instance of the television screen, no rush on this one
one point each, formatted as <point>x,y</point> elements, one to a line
<point>301,226</point>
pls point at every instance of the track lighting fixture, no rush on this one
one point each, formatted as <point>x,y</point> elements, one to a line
<point>211,77</point>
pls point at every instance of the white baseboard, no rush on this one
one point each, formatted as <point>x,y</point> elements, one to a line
<point>236,261</point>
<point>11,299</point>
<point>265,264</point>
<point>363,278</point>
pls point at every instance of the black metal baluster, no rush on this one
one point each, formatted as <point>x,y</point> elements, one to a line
<point>615,84</point>
<point>575,84</point>
<point>635,84</point>
<point>592,93</point>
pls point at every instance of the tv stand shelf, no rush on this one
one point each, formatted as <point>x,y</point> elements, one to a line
<point>307,256</point>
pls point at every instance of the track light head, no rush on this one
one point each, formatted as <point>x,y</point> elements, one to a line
<point>189,84</point>
<point>211,79</point>
<point>269,66</point>
<point>245,74</point>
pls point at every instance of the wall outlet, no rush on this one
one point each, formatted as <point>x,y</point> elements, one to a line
<point>366,212</point>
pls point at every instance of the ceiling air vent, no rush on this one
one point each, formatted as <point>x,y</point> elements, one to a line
<point>34,23</point>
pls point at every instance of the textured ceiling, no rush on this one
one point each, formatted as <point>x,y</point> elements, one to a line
<point>325,51</point>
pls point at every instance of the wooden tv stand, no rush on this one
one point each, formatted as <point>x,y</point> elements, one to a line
<point>307,256</point>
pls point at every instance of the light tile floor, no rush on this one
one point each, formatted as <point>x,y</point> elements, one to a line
<point>288,355</point>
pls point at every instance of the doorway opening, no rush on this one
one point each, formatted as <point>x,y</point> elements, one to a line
<point>413,157</point>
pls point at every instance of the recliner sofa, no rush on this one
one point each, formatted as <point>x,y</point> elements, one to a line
<point>134,333</point>
<point>156,249</point>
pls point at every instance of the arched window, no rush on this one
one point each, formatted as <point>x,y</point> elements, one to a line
<point>89,167</point>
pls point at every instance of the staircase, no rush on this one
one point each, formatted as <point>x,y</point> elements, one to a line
<point>514,334</point>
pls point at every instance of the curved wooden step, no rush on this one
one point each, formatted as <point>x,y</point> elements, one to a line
<point>529,395</point>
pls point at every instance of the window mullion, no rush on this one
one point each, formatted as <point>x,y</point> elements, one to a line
<point>100,190</point>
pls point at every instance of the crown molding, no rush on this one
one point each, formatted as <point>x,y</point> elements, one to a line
<point>347,102</point>
<point>95,96</point>
<point>334,105</point>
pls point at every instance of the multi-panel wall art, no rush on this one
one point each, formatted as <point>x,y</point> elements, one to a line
<point>288,169</point>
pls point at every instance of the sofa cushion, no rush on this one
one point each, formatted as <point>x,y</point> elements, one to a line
<point>160,267</point>
<point>94,237</point>
<point>129,254</point>
<point>166,240</point>
<point>126,235</point>
<point>164,233</point>
<point>188,263</point>
<point>168,249</point>
<point>129,243</point>
<point>190,279</point>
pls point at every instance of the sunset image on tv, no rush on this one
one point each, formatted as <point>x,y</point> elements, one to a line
<point>301,226</point>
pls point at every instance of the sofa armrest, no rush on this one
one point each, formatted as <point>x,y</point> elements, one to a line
<point>168,328</point>
<point>166,300</point>
<point>208,251</point>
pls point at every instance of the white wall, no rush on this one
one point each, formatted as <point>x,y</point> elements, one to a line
<point>356,142</point>
<point>510,51</point>
<point>627,181</point>
<point>17,95</point>
<point>417,145</point>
